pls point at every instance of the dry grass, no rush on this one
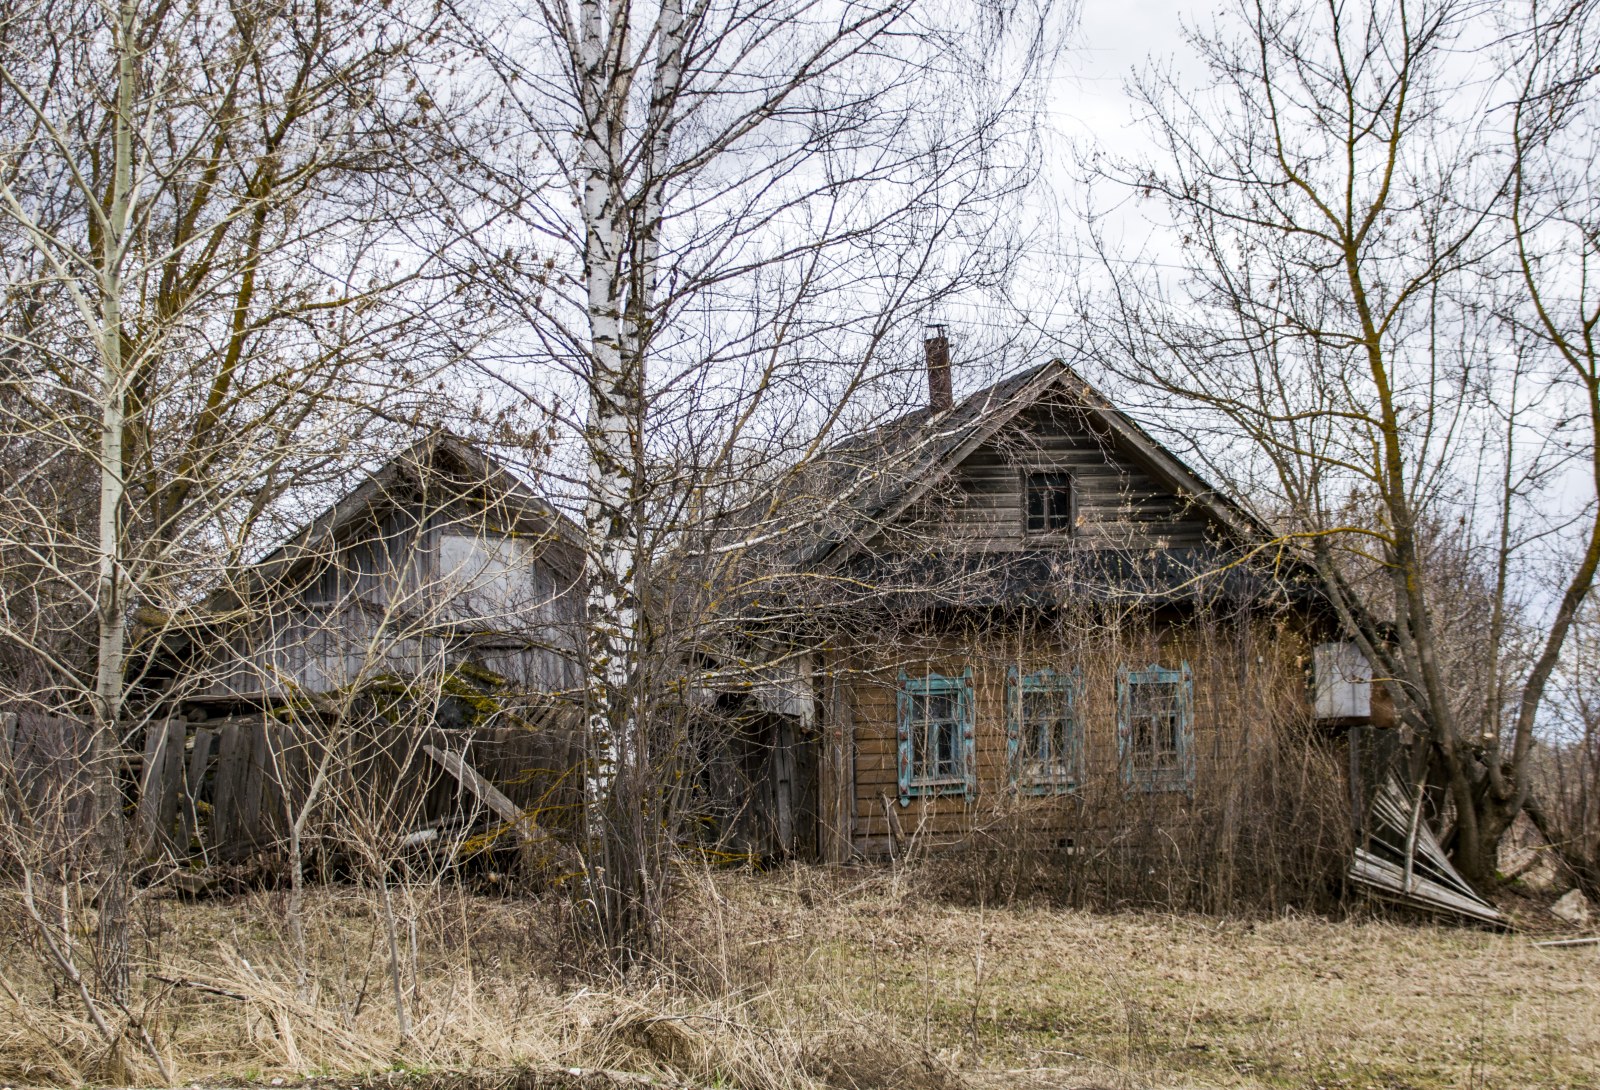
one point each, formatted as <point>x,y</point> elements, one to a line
<point>1065,998</point>
<point>487,984</point>
<point>847,979</point>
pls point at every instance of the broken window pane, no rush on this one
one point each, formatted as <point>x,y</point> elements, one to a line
<point>935,735</point>
<point>1046,730</point>
<point>1155,724</point>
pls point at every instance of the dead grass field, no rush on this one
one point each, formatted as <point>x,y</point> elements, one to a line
<point>1035,995</point>
<point>810,978</point>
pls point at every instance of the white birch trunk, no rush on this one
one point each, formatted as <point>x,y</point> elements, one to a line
<point>110,604</point>
<point>647,259</point>
<point>110,611</point>
<point>621,285</point>
<point>621,219</point>
<point>612,619</point>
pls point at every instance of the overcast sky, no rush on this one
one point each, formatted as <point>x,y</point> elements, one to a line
<point>1088,107</point>
<point>1112,39</point>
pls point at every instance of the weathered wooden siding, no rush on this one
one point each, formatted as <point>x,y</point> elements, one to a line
<point>229,788</point>
<point>381,605</point>
<point>46,784</point>
<point>1247,680</point>
<point>1118,503</point>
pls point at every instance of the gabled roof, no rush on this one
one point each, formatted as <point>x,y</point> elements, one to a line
<point>877,475</point>
<point>439,456</point>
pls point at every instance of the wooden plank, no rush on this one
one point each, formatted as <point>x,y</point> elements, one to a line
<point>171,782</point>
<point>836,775</point>
<point>193,783</point>
<point>485,792</point>
<point>254,772</point>
<point>781,772</point>
<point>274,770</point>
<point>1389,878</point>
<point>225,784</point>
<point>147,817</point>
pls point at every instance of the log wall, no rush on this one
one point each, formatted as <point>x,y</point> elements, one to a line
<point>1249,685</point>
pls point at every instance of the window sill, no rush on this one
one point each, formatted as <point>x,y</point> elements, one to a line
<point>1163,781</point>
<point>1046,786</point>
<point>932,789</point>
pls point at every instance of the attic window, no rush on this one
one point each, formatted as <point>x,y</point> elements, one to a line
<point>1048,501</point>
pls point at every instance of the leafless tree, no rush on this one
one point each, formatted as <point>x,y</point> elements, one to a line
<point>1555,224</point>
<point>209,216</point>
<point>1565,801</point>
<point>734,209</point>
<point>1346,197</point>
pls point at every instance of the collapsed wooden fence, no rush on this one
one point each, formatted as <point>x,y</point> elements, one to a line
<point>223,790</point>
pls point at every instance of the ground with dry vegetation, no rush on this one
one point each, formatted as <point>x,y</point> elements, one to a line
<point>851,979</point>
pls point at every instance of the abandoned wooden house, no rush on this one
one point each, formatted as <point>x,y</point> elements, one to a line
<point>425,625</point>
<point>1030,627</point>
<point>1016,624</point>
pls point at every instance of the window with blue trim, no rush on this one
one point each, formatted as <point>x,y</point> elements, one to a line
<point>1155,728</point>
<point>1043,738</point>
<point>936,736</point>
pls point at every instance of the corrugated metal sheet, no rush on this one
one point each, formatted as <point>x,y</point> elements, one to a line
<point>1404,860</point>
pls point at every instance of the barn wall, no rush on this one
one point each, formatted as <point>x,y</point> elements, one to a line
<point>382,606</point>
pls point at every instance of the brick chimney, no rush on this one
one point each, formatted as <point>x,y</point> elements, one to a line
<point>936,350</point>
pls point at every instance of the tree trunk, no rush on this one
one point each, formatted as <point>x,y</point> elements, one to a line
<point>110,607</point>
<point>611,436</point>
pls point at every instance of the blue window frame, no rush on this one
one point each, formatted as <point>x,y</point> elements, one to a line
<point>1044,741</point>
<point>1155,728</point>
<point>935,736</point>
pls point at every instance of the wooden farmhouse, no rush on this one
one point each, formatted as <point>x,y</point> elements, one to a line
<point>425,625</point>
<point>1015,629</point>
<point>1031,629</point>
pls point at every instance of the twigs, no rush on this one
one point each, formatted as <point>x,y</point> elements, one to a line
<point>201,986</point>
<point>65,965</point>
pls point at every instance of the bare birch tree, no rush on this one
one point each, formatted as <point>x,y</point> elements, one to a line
<point>739,206</point>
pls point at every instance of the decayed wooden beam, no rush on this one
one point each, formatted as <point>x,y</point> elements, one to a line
<point>1388,877</point>
<point>486,793</point>
<point>225,787</point>
<point>172,781</point>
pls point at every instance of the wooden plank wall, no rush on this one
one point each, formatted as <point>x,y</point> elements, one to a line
<point>341,627</point>
<point>1118,503</point>
<point>836,773</point>
<point>226,789</point>
<point>1243,679</point>
<point>160,787</point>
<point>45,782</point>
